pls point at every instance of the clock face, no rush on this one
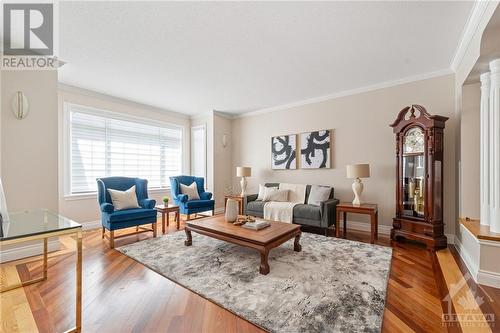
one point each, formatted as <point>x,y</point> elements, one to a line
<point>414,141</point>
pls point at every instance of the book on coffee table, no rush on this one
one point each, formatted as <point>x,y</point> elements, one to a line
<point>257,225</point>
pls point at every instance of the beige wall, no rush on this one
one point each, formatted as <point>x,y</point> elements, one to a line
<point>222,159</point>
<point>29,146</point>
<point>361,134</point>
<point>85,209</point>
<point>469,177</point>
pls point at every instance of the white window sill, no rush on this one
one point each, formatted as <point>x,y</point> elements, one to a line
<point>93,195</point>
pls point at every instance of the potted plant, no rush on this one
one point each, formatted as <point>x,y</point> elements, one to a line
<point>165,201</point>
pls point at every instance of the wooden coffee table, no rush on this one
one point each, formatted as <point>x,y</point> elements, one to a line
<point>262,240</point>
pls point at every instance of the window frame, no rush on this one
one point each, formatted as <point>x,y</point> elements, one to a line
<point>90,110</point>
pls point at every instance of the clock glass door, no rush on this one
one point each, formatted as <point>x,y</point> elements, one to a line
<point>413,173</point>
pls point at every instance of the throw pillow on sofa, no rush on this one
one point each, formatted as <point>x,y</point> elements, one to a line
<point>124,199</point>
<point>191,191</point>
<point>262,191</point>
<point>318,194</point>
<point>277,195</point>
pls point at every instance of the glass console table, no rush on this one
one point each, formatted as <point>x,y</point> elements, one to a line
<point>40,224</point>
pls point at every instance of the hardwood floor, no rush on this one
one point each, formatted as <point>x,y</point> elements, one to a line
<point>121,295</point>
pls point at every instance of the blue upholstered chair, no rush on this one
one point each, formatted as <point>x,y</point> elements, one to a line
<point>192,206</point>
<point>113,220</point>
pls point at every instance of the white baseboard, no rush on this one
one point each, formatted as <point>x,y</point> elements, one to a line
<point>488,278</point>
<point>450,238</point>
<point>362,226</point>
<point>91,225</point>
<point>20,252</point>
<point>464,255</point>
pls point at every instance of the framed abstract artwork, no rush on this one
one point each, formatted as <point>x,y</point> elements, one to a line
<point>284,152</point>
<point>315,149</point>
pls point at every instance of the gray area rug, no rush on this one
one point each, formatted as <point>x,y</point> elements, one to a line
<point>333,285</point>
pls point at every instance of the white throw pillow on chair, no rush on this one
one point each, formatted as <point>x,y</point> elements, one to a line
<point>124,199</point>
<point>191,191</point>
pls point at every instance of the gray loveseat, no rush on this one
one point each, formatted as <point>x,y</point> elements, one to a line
<point>322,216</point>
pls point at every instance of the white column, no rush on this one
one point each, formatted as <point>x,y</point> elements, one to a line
<point>495,142</point>
<point>485,149</point>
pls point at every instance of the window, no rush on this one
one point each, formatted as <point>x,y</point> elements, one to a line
<point>102,144</point>
<point>198,151</point>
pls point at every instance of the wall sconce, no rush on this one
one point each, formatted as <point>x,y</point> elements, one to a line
<point>20,105</point>
<point>224,140</point>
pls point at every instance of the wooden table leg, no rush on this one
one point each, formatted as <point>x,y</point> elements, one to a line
<point>168,218</point>
<point>78,281</point>
<point>374,227</point>
<point>178,218</point>
<point>264,263</point>
<point>296,244</point>
<point>189,240</point>
<point>337,224</point>
<point>345,224</point>
<point>163,222</point>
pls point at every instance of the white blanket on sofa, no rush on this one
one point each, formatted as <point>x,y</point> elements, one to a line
<point>283,211</point>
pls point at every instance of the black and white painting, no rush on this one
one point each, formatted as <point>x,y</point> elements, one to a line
<point>315,149</point>
<point>284,152</point>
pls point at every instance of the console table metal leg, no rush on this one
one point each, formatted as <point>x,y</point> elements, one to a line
<point>78,281</point>
<point>45,255</point>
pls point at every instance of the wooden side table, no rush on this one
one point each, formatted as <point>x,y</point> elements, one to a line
<point>165,211</point>
<point>237,197</point>
<point>368,209</point>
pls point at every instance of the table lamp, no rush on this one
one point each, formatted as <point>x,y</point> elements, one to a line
<point>243,172</point>
<point>357,171</point>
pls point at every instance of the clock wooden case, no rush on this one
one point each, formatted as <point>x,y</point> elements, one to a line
<point>419,177</point>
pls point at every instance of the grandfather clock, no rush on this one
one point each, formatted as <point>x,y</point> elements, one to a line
<point>419,177</point>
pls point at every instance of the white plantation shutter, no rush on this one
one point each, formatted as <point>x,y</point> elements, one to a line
<point>104,146</point>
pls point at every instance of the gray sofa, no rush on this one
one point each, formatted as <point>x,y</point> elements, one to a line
<point>322,216</point>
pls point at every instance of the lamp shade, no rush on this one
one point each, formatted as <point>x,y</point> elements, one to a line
<point>243,172</point>
<point>358,171</point>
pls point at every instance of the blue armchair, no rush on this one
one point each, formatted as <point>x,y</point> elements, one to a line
<point>113,220</point>
<point>192,206</point>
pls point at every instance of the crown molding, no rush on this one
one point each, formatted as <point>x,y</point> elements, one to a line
<point>224,115</point>
<point>215,113</point>
<point>381,85</point>
<point>201,115</point>
<point>470,29</point>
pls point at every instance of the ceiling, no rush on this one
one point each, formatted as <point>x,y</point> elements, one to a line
<point>237,57</point>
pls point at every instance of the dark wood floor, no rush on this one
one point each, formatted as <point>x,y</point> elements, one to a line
<point>121,295</point>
